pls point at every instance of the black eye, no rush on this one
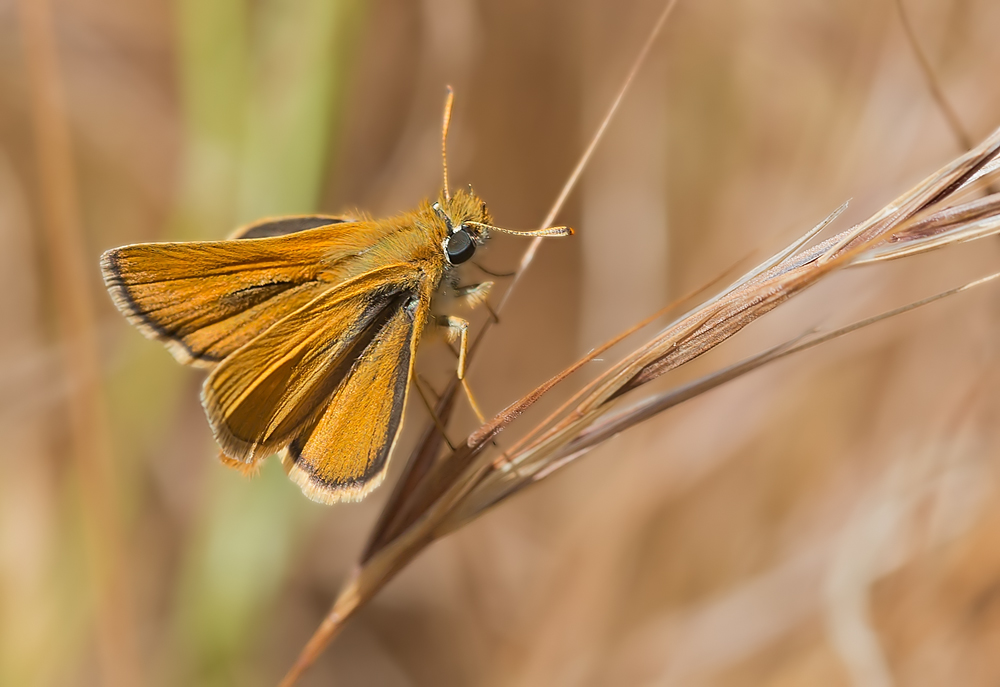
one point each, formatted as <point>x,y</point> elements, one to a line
<point>460,247</point>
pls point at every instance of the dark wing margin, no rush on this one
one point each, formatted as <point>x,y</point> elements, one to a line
<point>343,455</point>
<point>282,226</point>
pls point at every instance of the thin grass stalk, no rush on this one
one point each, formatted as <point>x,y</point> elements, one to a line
<point>404,500</point>
<point>602,349</point>
<point>458,487</point>
<point>739,307</point>
<point>758,296</point>
<point>930,78</point>
<point>574,177</point>
<point>464,484</point>
<point>650,407</point>
<point>575,423</point>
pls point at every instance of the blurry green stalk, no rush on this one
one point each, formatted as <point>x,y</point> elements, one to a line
<point>262,85</point>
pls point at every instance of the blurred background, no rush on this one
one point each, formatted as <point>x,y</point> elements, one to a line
<point>831,520</point>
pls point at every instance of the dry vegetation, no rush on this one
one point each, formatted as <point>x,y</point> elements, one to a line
<point>829,519</point>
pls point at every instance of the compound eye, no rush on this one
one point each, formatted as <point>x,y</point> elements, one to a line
<point>460,247</point>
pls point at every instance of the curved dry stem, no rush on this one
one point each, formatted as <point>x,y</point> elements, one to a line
<point>539,462</point>
<point>398,512</point>
<point>437,496</point>
<point>344,607</point>
<point>603,348</point>
<point>574,177</point>
<point>954,123</point>
<point>722,317</point>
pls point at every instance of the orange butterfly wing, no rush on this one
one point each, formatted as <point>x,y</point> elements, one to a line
<point>303,359</point>
<point>330,358</point>
<point>205,299</point>
<point>344,454</point>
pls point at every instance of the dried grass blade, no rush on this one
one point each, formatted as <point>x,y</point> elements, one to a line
<point>932,190</point>
<point>734,311</point>
<point>392,517</point>
<point>657,404</point>
<point>606,346</point>
<point>792,249</point>
<point>945,219</point>
<point>737,309</point>
<point>397,514</point>
<point>574,177</point>
<point>970,232</point>
<point>555,456</point>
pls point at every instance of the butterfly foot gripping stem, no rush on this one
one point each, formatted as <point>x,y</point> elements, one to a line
<point>459,329</point>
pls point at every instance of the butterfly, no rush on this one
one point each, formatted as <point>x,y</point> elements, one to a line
<point>309,326</point>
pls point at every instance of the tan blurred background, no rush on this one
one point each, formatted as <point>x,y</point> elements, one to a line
<point>831,520</point>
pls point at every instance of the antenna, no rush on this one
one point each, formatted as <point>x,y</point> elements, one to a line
<point>449,100</point>
<point>547,231</point>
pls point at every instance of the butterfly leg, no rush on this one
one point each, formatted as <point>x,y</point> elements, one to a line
<point>476,295</point>
<point>459,329</point>
<point>430,409</point>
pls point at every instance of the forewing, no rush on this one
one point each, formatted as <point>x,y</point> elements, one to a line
<point>344,454</point>
<point>268,392</point>
<point>205,299</point>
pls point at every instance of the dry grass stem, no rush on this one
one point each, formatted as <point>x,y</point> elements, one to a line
<point>418,487</point>
<point>610,427</point>
<point>574,177</point>
<point>954,123</point>
<point>454,490</point>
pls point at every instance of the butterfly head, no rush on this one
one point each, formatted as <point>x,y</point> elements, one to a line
<point>465,220</point>
<point>465,223</point>
<point>463,215</point>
